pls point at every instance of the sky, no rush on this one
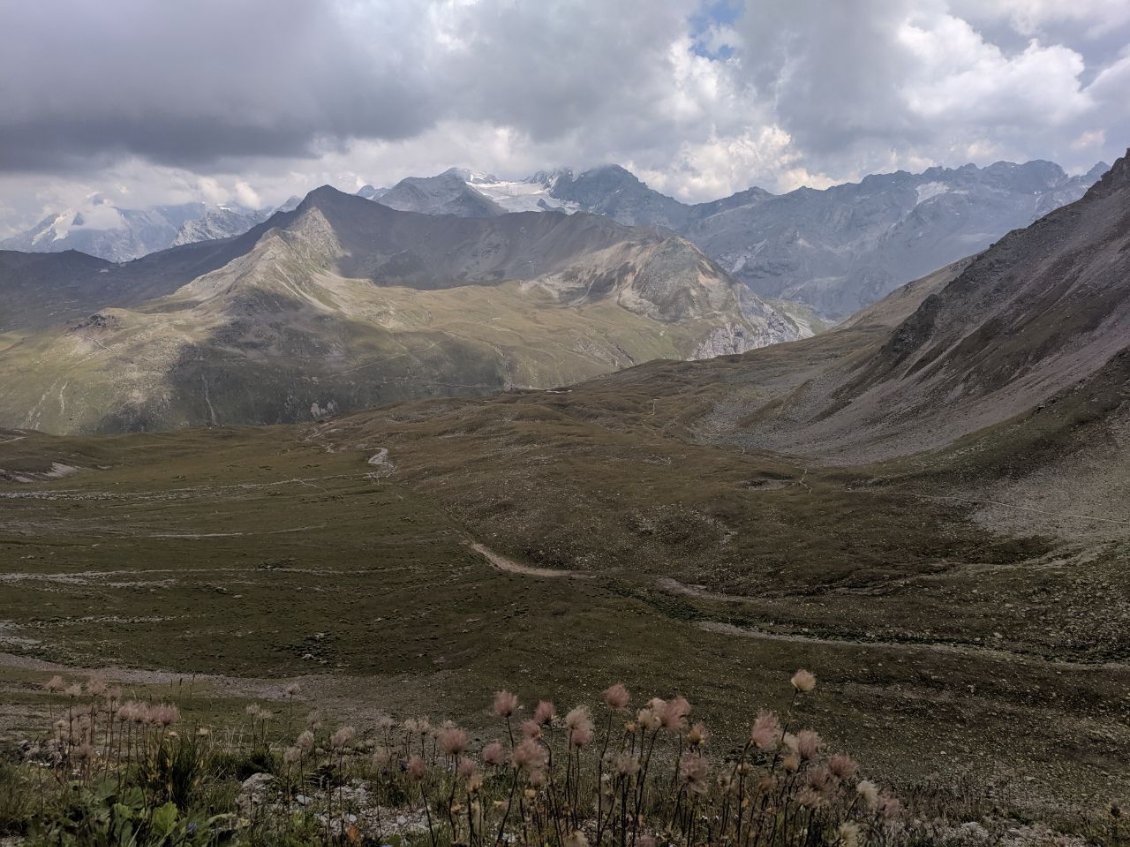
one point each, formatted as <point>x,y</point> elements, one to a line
<point>252,101</point>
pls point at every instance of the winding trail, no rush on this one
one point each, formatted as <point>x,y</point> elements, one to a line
<point>507,565</point>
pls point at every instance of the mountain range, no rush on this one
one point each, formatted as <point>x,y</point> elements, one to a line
<point>101,229</point>
<point>835,250</point>
<point>343,304</point>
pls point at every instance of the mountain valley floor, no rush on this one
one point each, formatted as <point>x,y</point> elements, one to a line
<point>368,558</point>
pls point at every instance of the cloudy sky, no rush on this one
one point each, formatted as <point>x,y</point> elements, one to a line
<point>255,100</point>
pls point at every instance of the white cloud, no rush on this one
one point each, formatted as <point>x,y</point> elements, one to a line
<point>254,101</point>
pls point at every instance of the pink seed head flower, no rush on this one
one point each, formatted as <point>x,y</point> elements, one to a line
<point>466,768</point>
<point>305,741</point>
<point>545,712</point>
<point>698,735</point>
<point>343,737</point>
<point>531,729</point>
<point>494,754</point>
<point>842,767</point>
<point>694,772</point>
<point>505,703</point>
<point>808,744</point>
<point>617,697</point>
<point>803,681</point>
<point>165,714</point>
<point>868,793</point>
<point>625,764</point>
<point>55,684</point>
<point>416,768</point>
<point>453,740</point>
<point>674,715</point>
<point>529,756</point>
<point>648,720</point>
<point>766,732</point>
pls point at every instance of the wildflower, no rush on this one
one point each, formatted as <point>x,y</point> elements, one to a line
<point>384,723</point>
<point>698,735</point>
<point>292,690</point>
<point>83,751</point>
<point>694,772</point>
<point>617,697</point>
<point>474,783</point>
<point>465,768</point>
<point>73,691</point>
<point>579,723</point>
<point>807,743</point>
<point>453,740</point>
<point>545,712</point>
<point>646,841</point>
<point>292,755</point>
<point>889,808</point>
<point>165,714</point>
<point>576,839</point>
<point>305,741</point>
<point>809,798</point>
<point>266,715</point>
<point>55,684</point>
<point>791,762</point>
<point>842,767</point>
<point>531,729</point>
<point>849,834</point>
<point>416,768</point>
<point>343,737</point>
<point>648,720</point>
<point>529,756</point>
<point>868,792</point>
<point>252,710</point>
<point>820,779</point>
<point>766,732</point>
<point>203,731</point>
<point>675,714</point>
<point>505,703</point>
<point>494,754</point>
<point>790,741</point>
<point>382,757</point>
<point>803,681</point>
<point>625,764</point>
<point>536,778</point>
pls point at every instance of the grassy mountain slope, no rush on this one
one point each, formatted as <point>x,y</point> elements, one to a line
<point>346,304</point>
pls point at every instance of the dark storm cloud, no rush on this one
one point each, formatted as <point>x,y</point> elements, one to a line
<point>184,83</point>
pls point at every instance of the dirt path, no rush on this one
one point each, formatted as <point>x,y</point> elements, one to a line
<point>909,646</point>
<point>506,565</point>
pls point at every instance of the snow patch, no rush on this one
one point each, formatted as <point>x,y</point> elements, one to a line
<point>930,189</point>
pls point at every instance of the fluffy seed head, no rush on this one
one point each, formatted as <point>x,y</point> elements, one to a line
<point>807,744</point>
<point>842,767</point>
<point>868,792</point>
<point>343,737</point>
<point>531,729</point>
<point>766,732</point>
<point>617,697</point>
<point>849,834</point>
<point>675,714</point>
<point>545,712</point>
<point>55,684</point>
<point>698,735</point>
<point>625,764</point>
<point>648,720</point>
<point>466,768</point>
<point>803,681</point>
<point>694,772</point>
<point>505,703</point>
<point>305,741</point>
<point>292,755</point>
<point>416,769</point>
<point>453,740</point>
<point>529,756</point>
<point>576,839</point>
<point>494,754</point>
